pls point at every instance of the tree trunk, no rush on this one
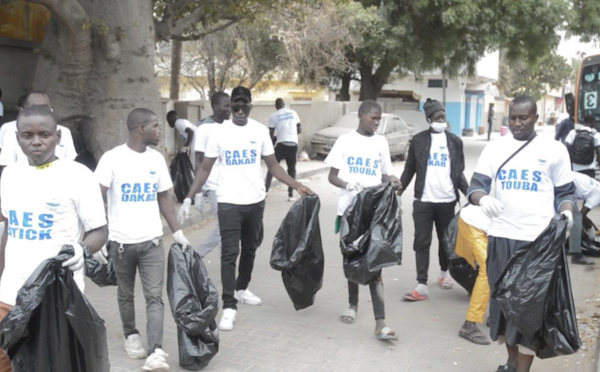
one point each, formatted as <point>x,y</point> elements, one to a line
<point>94,84</point>
<point>345,89</point>
<point>176,50</point>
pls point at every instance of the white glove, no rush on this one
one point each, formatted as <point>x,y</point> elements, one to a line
<point>355,186</point>
<point>77,261</point>
<point>569,216</point>
<point>181,239</point>
<point>184,210</point>
<point>199,202</point>
<point>492,207</point>
<point>101,255</point>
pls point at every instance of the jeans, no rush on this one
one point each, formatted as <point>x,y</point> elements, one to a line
<point>424,215</point>
<point>245,223</point>
<point>213,239</point>
<point>576,230</point>
<point>376,297</point>
<point>149,259</point>
<point>290,154</point>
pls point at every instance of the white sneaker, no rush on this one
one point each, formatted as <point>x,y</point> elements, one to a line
<point>227,319</point>
<point>244,296</point>
<point>157,361</point>
<point>134,347</point>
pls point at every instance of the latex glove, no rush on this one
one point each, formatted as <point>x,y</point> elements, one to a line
<point>77,261</point>
<point>569,216</point>
<point>199,202</point>
<point>492,207</point>
<point>101,255</point>
<point>355,186</point>
<point>181,239</point>
<point>184,210</point>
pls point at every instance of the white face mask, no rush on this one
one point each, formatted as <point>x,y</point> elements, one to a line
<point>438,127</point>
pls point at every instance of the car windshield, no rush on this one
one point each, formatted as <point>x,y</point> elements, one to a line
<point>350,121</point>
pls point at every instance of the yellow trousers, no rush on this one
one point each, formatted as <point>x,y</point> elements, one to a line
<point>471,244</point>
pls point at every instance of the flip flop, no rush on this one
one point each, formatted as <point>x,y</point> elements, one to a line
<point>348,316</point>
<point>414,295</point>
<point>387,334</point>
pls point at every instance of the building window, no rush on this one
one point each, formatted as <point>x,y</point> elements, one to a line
<point>436,83</point>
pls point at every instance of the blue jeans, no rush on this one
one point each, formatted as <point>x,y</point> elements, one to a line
<point>149,259</point>
<point>238,223</point>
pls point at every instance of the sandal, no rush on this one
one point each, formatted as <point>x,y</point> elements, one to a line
<point>474,335</point>
<point>414,295</point>
<point>387,334</point>
<point>348,316</point>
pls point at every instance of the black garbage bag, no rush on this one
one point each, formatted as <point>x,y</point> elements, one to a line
<point>590,239</point>
<point>534,293</point>
<point>53,327</point>
<point>102,274</point>
<point>298,252</point>
<point>194,304</point>
<point>459,268</point>
<point>182,175</point>
<point>371,233</point>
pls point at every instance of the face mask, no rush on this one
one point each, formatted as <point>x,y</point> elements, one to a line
<point>438,127</point>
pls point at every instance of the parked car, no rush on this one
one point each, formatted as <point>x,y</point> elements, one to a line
<point>395,130</point>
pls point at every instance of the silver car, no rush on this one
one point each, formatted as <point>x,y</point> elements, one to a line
<point>395,130</point>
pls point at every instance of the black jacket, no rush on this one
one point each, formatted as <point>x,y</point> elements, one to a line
<point>418,154</point>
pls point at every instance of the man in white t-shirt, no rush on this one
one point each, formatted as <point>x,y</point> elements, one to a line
<point>186,130</point>
<point>221,106</point>
<point>528,190</point>
<point>135,183</point>
<point>361,159</point>
<point>286,123</point>
<point>46,203</point>
<point>436,158</point>
<point>588,169</point>
<point>238,146</point>
<point>11,151</point>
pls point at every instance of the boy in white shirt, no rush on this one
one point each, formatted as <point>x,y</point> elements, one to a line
<point>361,159</point>
<point>135,183</point>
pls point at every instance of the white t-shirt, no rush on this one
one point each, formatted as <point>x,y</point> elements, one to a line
<point>438,184</point>
<point>571,137</point>
<point>285,122</point>
<point>474,216</point>
<point>359,158</point>
<point>12,153</point>
<point>587,189</point>
<point>44,209</point>
<point>133,180</point>
<point>202,134</point>
<point>525,184</point>
<point>238,150</point>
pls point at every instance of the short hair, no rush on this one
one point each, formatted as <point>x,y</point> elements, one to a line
<point>27,95</point>
<point>216,97</point>
<point>367,106</point>
<point>525,99</point>
<point>139,116</point>
<point>279,103</point>
<point>36,110</point>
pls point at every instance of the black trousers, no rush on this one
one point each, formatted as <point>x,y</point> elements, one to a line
<point>238,223</point>
<point>290,155</point>
<point>425,214</point>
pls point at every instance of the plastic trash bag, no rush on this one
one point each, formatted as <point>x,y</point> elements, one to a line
<point>371,233</point>
<point>182,175</point>
<point>298,252</point>
<point>534,293</point>
<point>102,275</point>
<point>53,327</point>
<point>460,270</point>
<point>194,304</point>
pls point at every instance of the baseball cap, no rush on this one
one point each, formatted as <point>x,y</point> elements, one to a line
<point>241,93</point>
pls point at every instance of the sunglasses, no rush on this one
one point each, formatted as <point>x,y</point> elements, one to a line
<point>241,106</point>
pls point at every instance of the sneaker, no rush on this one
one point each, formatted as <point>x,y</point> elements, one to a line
<point>134,347</point>
<point>291,199</point>
<point>227,319</point>
<point>445,282</point>
<point>244,296</point>
<point>157,361</point>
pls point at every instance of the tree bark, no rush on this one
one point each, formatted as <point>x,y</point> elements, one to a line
<point>176,50</point>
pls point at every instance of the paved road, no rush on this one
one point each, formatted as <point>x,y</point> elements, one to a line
<point>275,337</point>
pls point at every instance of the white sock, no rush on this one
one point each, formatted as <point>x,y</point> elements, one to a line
<point>422,289</point>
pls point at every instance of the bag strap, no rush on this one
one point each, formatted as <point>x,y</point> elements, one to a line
<point>515,153</point>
